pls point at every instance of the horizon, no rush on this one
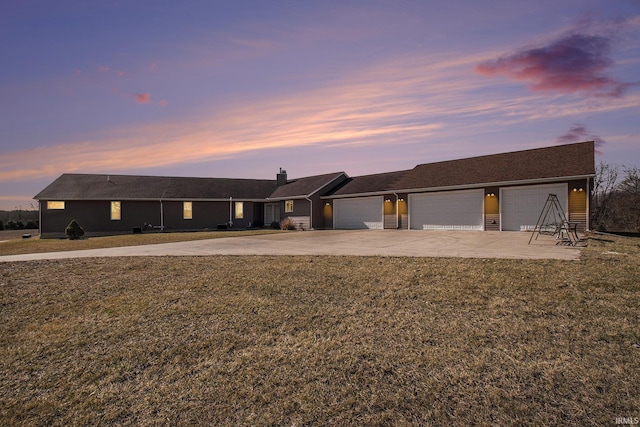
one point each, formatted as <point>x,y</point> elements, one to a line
<point>239,90</point>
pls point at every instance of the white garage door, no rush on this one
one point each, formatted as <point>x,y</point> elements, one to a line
<point>363,212</point>
<point>520,207</point>
<point>452,210</point>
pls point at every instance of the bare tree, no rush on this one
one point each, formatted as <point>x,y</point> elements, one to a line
<point>604,184</point>
<point>628,195</point>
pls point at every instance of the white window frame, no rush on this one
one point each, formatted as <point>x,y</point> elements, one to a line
<point>288,206</point>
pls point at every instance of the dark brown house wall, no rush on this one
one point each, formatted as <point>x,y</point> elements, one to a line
<point>94,217</point>
<point>318,208</point>
<point>206,215</point>
<point>300,208</point>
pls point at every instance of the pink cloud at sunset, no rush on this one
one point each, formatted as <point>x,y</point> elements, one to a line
<point>579,132</point>
<point>573,63</point>
<point>141,98</point>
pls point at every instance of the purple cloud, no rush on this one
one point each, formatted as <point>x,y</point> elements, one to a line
<point>578,133</point>
<point>574,63</point>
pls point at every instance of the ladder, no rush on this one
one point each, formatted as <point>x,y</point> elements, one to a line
<point>553,221</point>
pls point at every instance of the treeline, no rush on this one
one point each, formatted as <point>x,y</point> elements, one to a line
<point>18,220</point>
<point>616,199</point>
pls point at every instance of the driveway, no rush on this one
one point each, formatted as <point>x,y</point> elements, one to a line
<point>413,243</point>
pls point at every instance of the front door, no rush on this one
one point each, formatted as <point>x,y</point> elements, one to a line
<point>271,213</point>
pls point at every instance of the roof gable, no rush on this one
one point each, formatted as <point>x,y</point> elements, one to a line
<point>305,187</point>
<point>570,160</point>
<point>375,183</point>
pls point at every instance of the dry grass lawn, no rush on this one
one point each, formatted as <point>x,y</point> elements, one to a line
<point>322,340</point>
<point>11,242</point>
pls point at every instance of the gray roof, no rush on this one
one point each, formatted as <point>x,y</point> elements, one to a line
<point>560,161</point>
<point>376,183</point>
<point>304,187</point>
<point>126,187</point>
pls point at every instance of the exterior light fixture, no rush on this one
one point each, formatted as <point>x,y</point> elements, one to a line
<point>327,204</point>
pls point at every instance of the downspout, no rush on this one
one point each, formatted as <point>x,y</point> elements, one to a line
<point>310,212</point>
<point>230,211</point>
<point>161,216</point>
<point>39,218</point>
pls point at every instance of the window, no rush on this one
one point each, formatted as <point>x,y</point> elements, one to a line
<point>239,210</point>
<point>187,210</point>
<point>116,212</point>
<point>288,205</point>
<point>55,205</point>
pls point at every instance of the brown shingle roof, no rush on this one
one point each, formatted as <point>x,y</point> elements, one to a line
<point>570,160</point>
<point>305,186</point>
<point>116,187</point>
<point>370,183</point>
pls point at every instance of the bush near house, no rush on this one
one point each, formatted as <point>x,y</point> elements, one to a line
<point>73,230</point>
<point>275,225</point>
<point>287,224</point>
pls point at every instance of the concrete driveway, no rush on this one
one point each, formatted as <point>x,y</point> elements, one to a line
<point>414,243</point>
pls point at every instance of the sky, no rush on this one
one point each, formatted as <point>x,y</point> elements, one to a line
<point>239,89</point>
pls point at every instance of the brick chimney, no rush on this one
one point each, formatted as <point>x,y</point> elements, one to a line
<point>281,178</point>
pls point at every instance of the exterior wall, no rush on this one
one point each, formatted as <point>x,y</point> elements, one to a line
<point>206,215</point>
<point>327,214</point>
<point>403,212</point>
<point>301,214</point>
<point>492,209</point>
<point>390,212</point>
<point>95,216</point>
<point>578,204</point>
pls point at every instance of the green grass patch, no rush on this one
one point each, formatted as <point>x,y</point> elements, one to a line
<point>16,246</point>
<point>226,340</point>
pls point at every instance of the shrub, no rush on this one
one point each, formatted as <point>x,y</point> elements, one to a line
<point>31,224</point>
<point>73,230</point>
<point>275,225</point>
<point>1,226</point>
<point>287,224</point>
<point>14,225</point>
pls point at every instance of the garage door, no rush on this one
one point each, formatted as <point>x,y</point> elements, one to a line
<point>363,212</point>
<point>453,210</point>
<point>520,207</point>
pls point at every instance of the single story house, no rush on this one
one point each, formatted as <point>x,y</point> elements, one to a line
<point>501,192</point>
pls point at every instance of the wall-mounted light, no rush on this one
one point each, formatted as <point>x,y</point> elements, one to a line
<point>581,190</point>
<point>387,201</point>
<point>491,195</point>
<point>327,204</point>
<point>401,200</point>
